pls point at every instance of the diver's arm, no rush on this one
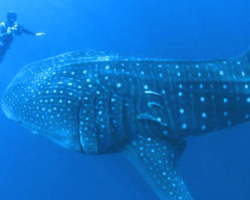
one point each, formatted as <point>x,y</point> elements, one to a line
<point>28,32</point>
<point>31,33</point>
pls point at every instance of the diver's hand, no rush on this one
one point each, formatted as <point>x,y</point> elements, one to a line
<point>39,34</point>
<point>9,30</point>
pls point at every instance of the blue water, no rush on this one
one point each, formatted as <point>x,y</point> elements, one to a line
<point>213,167</point>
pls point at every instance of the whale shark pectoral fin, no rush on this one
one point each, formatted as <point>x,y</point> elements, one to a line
<point>178,146</point>
<point>156,160</point>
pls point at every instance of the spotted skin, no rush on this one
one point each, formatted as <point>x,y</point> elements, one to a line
<point>98,103</point>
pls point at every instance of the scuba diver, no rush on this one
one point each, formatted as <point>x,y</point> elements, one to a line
<point>9,30</point>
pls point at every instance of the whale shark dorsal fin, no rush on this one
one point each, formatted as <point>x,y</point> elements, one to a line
<point>156,160</point>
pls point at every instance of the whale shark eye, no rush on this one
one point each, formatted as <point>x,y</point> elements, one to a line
<point>20,122</point>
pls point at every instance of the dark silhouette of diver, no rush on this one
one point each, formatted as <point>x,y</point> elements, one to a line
<point>9,30</point>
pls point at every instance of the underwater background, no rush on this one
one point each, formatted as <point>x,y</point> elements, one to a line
<point>214,167</point>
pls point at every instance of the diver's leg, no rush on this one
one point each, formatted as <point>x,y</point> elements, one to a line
<point>1,58</point>
<point>2,54</point>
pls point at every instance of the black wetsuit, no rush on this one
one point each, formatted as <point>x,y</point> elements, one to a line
<point>7,39</point>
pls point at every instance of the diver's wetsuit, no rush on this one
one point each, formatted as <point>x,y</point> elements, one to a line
<point>6,39</point>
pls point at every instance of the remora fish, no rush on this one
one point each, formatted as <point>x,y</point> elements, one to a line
<point>98,103</point>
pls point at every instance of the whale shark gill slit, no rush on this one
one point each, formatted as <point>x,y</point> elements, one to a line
<point>88,132</point>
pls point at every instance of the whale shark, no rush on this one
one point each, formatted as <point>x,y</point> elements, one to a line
<point>96,103</point>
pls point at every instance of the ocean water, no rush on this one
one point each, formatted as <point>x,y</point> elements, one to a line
<point>213,167</point>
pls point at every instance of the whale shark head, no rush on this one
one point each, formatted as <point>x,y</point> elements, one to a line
<point>39,104</point>
<point>43,99</point>
<point>45,96</point>
<point>16,99</point>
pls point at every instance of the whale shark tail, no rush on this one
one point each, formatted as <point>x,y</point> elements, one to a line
<point>156,160</point>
